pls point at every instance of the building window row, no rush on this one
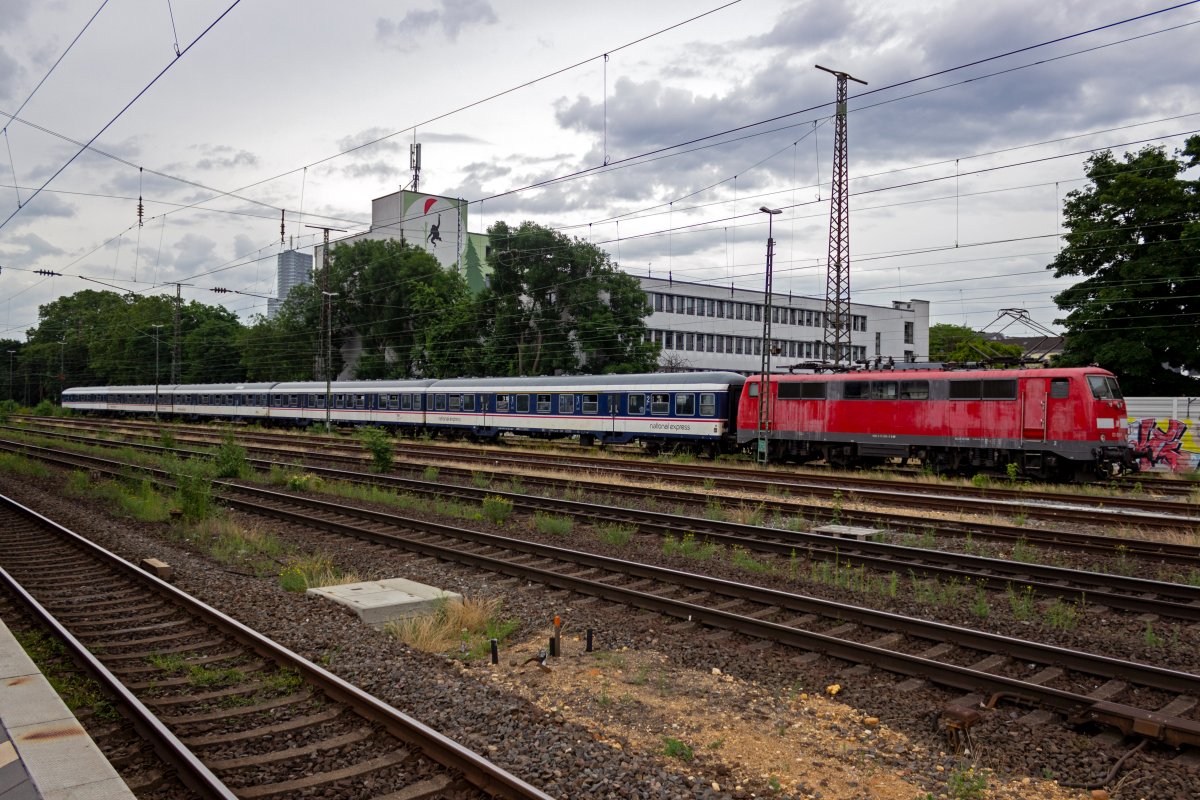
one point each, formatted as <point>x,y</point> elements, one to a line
<point>744,345</point>
<point>731,309</point>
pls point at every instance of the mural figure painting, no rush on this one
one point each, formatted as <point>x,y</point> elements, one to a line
<point>434,235</point>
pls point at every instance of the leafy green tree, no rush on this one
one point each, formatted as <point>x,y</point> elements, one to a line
<point>210,346</point>
<point>9,365</point>
<point>960,343</point>
<point>285,348</point>
<point>1134,236</point>
<point>395,298</point>
<point>558,304</point>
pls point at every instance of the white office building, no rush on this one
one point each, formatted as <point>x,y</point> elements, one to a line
<point>705,327</point>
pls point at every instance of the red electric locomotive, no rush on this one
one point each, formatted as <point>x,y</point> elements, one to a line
<point>1059,424</point>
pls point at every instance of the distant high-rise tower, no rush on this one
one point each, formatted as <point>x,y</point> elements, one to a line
<point>295,269</point>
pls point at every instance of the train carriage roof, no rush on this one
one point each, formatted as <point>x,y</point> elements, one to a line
<point>574,383</point>
<point>164,388</point>
<point>354,386</point>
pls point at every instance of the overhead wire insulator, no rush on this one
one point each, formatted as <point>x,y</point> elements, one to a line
<point>220,290</point>
<point>141,208</point>
<point>281,213</point>
<point>48,273</point>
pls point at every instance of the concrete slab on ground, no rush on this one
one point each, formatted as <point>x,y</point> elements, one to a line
<point>379,602</point>
<point>855,532</point>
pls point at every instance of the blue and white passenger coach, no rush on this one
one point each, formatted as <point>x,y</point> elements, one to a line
<point>658,409</point>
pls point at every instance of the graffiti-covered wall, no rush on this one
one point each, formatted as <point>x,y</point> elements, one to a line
<point>1163,432</point>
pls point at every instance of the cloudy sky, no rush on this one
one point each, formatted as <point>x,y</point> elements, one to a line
<point>661,154</point>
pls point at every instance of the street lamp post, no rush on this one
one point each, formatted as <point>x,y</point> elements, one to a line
<point>62,370</point>
<point>156,330</point>
<point>328,296</point>
<point>764,388</point>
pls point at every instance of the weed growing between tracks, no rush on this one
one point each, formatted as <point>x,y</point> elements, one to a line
<point>460,629</point>
<point>19,465</point>
<point>80,693</point>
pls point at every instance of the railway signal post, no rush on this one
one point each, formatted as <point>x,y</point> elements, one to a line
<point>764,393</point>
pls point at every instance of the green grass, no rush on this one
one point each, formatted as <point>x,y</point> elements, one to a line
<point>15,464</point>
<point>615,534</point>
<point>551,525</point>
<point>739,557</point>
<point>689,547</point>
<point>378,443</point>
<point>306,572</point>
<point>674,748</point>
<point>496,509</point>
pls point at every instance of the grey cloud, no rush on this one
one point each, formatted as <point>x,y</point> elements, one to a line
<point>358,140</point>
<point>27,250</point>
<point>452,18</point>
<point>41,207</point>
<point>222,156</point>
<point>374,169</point>
<point>10,72</point>
<point>193,251</point>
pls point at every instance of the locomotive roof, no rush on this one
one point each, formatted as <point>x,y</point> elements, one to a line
<point>894,374</point>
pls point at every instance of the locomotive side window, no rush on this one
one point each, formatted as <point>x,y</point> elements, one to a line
<point>914,390</point>
<point>813,391</point>
<point>999,390</point>
<point>637,404</point>
<point>566,404</point>
<point>591,403</point>
<point>1104,388</point>
<point>964,390</point>
<point>660,404</point>
<point>522,405</point>
<point>1060,388</point>
<point>543,404</point>
<point>685,404</point>
<point>884,390</point>
<point>855,390</point>
<point>708,404</point>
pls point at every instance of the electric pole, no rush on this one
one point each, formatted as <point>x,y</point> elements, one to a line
<point>837,276</point>
<point>325,360</point>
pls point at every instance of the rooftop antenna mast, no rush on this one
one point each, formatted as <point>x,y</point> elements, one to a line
<point>837,275</point>
<point>414,163</point>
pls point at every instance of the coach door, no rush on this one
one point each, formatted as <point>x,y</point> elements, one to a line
<point>1033,410</point>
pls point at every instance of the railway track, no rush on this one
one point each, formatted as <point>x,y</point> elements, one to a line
<point>1124,548</point>
<point>1134,697</point>
<point>237,715</point>
<point>1154,498</point>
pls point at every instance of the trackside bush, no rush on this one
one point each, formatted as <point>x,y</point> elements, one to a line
<point>379,444</point>
<point>230,459</point>
<point>193,491</point>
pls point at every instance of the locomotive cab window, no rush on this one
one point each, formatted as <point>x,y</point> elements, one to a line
<point>685,404</point>
<point>1060,388</point>
<point>914,390</point>
<point>752,389</point>
<point>637,404</point>
<point>708,404</point>
<point>591,403</point>
<point>1104,387</point>
<point>660,404</point>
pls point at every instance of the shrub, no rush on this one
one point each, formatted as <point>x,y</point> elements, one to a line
<point>379,444</point>
<point>166,439</point>
<point>497,509</point>
<point>548,523</point>
<point>44,409</point>
<point>193,491</point>
<point>230,459</point>
<point>614,534</point>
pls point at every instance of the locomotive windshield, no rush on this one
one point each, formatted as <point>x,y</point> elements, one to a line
<point>1104,387</point>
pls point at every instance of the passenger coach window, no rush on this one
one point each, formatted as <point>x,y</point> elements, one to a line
<point>591,403</point>
<point>406,402</point>
<point>1060,388</point>
<point>660,404</point>
<point>543,404</point>
<point>339,401</point>
<point>293,401</point>
<point>708,404</point>
<point>468,402</point>
<point>566,404</point>
<point>855,390</point>
<point>522,404</point>
<point>439,402</point>
<point>637,404</point>
<point>318,401</point>
<point>501,403</point>
<point>456,402</point>
<point>914,390</point>
<point>685,404</point>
